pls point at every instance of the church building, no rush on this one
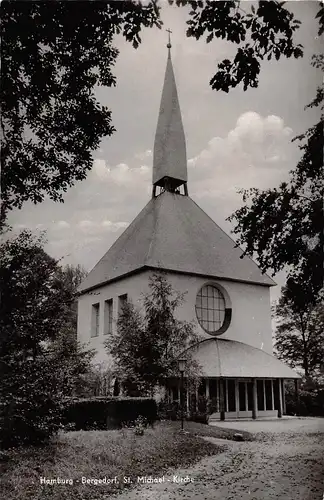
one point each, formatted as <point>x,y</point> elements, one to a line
<point>227,296</point>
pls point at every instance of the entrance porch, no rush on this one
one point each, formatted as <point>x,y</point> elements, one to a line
<point>236,398</point>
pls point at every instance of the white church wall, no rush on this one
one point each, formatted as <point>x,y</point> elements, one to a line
<point>250,323</point>
<point>133,286</point>
<point>251,313</point>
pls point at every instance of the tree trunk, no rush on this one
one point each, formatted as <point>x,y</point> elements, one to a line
<point>305,354</point>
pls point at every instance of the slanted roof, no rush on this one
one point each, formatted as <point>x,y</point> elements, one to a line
<point>173,233</point>
<point>228,358</point>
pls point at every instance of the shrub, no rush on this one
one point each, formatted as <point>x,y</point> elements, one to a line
<point>172,411</point>
<point>199,412</point>
<point>169,410</point>
<point>212,405</point>
<point>31,405</point>
<point>309,403</point>
<point>200,417</point>
<point>112,412</point>
<point>203,404</point>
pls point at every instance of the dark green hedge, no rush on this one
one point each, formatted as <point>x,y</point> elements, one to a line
<point>111,412</point>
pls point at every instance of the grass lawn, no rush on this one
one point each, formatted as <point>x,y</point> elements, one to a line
<point>213,431</point>
<point>99,454</point>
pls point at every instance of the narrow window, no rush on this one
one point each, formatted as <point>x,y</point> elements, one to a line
<point>95,320</point>
<point>122,299</point>
<point>108,319</point>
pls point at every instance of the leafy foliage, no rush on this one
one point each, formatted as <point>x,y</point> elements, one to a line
<point>284,226</point>
<point>265,32</point>
<point>309,401</point>
<point>54,54</point>
<point>146,347</point>
<point>299,338</point>
<point>40,361</point>
<point>51,121</point>
<point>97,381</point>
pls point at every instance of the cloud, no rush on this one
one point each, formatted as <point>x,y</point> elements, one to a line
<point>62,224</point>
<point>254,139</point>
<point>120,174</point>
<point>93,226</point>
<point>255,153</point>
<point>146,154</point>
<point>85,224</point>
<point>114,226</point>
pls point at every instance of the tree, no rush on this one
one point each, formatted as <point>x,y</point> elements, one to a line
<point>40,361</point>
<point>51,121</point>
<point>146,347</point>
<point>284,226</point>
<point>54,54</point>
<point>299,337</point>
<point>264,32</point>
<point>72,277</point>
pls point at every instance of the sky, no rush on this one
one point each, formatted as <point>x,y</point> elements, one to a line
<point>235,140</point>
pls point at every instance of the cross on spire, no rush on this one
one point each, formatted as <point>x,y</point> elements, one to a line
<point>169,42</point>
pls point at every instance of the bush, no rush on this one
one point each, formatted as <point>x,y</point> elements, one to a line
<point>172,411</point>
<point>31,405</point>
<point>309,403</point>
<point>112,413</point>
<point>199,412</point>
<point>169,410</point>
<point>200,417</point>
<point>212,405</point>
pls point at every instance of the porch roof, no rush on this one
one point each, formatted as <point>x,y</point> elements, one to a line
<point>228,358</point>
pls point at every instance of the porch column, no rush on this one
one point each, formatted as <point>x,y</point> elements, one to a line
<point>283,396</point>
<point>226,395</point>
<point>237,399</point>
<point>218,396</point>
<point>255,400</point>
<point>264,396</point>
<point>207,388</point>
<point>272,396</point>
<point>222,398</point>
<point>280,409</point>
<point>246,397</point>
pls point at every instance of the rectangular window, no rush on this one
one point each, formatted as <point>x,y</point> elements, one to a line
<point>108,317</point>
<point>95,320</point>
<point>122,299</point>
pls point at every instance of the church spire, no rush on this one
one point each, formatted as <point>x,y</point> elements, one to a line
<point>170,158</point>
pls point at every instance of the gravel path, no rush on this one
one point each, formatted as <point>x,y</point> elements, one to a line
<point>285,462</point>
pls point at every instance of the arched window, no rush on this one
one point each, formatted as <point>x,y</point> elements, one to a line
<point>210,309</point>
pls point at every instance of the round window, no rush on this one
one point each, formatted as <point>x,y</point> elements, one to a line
<point>210,308</point>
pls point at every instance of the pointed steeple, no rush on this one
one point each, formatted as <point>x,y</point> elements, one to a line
<point>170,157</point>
